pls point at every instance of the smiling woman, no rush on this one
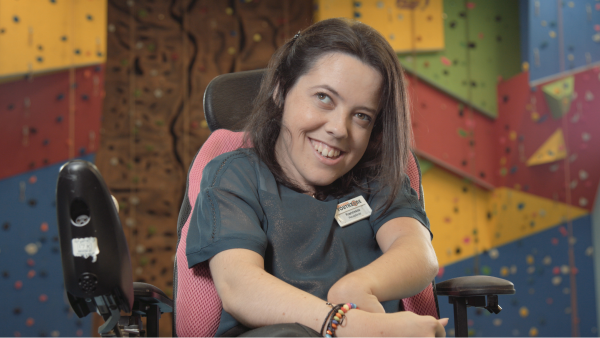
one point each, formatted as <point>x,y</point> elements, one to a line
<point>320,209</point>
<point>327,120</point>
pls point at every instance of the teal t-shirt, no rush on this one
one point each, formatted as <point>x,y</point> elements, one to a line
<point>240,205</point>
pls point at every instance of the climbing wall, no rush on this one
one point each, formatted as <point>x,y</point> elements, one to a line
<point>538,265</point>
<point>36,119</point>
<point>51,92</point>
<point>34,302</point>
<point>51,35</point>
<point>559,38</point>
<point>161,57</point>
<point>407,25</point>
<point>481,46</point>
<point>531,123</point>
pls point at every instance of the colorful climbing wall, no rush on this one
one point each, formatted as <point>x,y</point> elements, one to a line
<point>452,135</point>
<point>161,57</point>
<point>538,265</point>
<point>51,35</point>
<point>34,302</point>
<point>407,25</point>
<point>557,38</point>
<point>51,93</point>
<point>481,46</point>
<point>527,123</point>
<point>47,120</point>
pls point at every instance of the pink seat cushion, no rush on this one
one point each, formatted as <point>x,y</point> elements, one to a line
<point>198,306</point>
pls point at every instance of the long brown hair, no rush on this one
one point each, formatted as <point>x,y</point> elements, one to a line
<point>386,157</point>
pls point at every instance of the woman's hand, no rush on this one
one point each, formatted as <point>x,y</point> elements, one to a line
<point>400,324</point>
<point>349,289</point>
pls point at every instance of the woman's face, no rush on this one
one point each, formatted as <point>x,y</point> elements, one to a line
<point>327,120</point>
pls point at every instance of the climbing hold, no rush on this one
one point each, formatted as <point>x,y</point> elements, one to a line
<point>31,248</point>
<point>18,285</point>
<point>523,312</point>
<point>556,280</point>
<point>533,332</point>
<point>530,259</point>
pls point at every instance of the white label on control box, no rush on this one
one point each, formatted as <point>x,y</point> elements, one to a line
<point>86,247</point>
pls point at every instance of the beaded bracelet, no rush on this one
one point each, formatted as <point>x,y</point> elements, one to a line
<point>339,312</point>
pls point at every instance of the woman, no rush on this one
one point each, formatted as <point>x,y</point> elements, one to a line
<point>330,125</point>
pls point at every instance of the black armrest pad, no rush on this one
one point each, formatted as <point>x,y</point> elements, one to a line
<point>475,286</point>
<point>150,294</point>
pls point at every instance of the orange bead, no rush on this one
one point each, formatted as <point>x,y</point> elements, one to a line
<point>329,333</point>
<point>334,326</point>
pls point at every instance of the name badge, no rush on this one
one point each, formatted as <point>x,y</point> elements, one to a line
<point>352,210</point>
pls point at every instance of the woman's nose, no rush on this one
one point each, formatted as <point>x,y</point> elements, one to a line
<point>337,124</point>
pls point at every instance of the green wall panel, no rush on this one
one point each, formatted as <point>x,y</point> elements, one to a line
<point>482,44</point>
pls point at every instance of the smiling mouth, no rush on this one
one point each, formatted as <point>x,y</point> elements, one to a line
<point>326,150</point>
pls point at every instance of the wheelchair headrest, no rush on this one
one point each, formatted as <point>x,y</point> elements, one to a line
<point>228,99</point>
<point>94,252</point>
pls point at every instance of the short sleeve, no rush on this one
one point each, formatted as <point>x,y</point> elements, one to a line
<point>227,213</point>
<point>406,204</point>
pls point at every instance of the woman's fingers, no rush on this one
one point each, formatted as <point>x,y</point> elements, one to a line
<point>439,330</point>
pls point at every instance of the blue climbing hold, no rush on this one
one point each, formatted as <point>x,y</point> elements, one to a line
<point>16,18</point>
<point>59,97</point>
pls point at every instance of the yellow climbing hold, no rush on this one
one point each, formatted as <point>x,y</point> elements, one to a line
<point>525,66</point>
<point>231,50</point>
<point>523,312</point>
<point>533,332</point>
<point>229,11</point>
<point>504,271</point>
<point>513,135</point>
<point>530,259</point>
<point>535,116</point>
<point>257,37</point>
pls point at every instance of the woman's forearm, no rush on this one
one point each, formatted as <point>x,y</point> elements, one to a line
<point>408,265</point>
<point>256,298</point>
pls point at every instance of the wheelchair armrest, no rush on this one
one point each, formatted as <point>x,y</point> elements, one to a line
<point>147,294</point>
<point>475,286</point>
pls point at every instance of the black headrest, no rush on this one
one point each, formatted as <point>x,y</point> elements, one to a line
<point>94,252</point>
<point>229,97</point>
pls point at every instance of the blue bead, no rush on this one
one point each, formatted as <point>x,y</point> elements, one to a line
<point>353,305</point>
<point>328,336</point>
<point>335,322</point>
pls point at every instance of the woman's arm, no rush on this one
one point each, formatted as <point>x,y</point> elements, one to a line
<point>407,266</point>
<point>256,298</point>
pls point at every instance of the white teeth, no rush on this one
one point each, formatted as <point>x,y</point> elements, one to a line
<point>325,151</point>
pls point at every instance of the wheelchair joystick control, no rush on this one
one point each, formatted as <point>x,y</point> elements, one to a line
<point>88,282</point>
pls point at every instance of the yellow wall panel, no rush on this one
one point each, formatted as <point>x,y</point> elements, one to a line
<point>419,28</point>
<point>458,213</point>
<point>41,36</point>
<point>518,214</point>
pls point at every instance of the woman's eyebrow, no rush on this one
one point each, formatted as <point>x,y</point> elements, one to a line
<point>334,92</point>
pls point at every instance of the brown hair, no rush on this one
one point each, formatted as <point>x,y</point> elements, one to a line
<point>389,146</point>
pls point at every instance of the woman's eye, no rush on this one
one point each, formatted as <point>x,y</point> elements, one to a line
<point>363,117</point>
<point>324,98</point>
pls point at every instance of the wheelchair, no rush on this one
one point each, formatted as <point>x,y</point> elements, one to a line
<point>97,266</point>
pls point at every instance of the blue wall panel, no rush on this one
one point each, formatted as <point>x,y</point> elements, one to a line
<point>542,31</point>
<point>27,201</point>
<point>543,39</point>
<point>579,20</point>
<point>542,304</point>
